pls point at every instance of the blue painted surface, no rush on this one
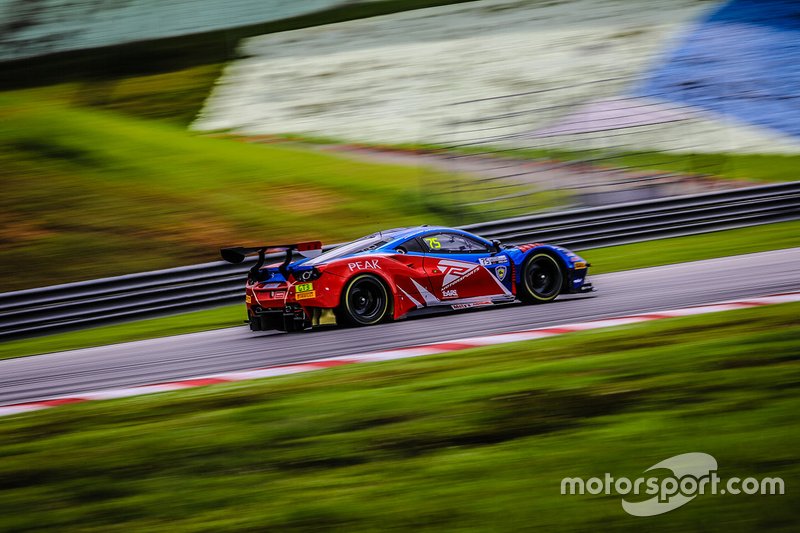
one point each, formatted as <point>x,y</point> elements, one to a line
<point>743,60</point>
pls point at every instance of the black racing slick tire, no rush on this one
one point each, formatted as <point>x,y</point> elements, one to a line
<point>542,279</point>
<point>365,301</point>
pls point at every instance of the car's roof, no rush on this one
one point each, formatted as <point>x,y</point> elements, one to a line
<point>398,234</point>
<point>379,241</point>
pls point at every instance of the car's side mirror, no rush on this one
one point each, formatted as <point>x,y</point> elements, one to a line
<point>495,246</point>
<point>400,250</point>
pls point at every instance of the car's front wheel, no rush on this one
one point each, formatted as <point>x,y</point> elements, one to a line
<point>365,301</point>
<point>542,279</point>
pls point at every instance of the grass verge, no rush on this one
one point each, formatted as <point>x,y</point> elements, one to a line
<point>767,168</point>
<point>750,167</point>
<point>471,441</point>
<point>604,260</point>
<point>100,194</point>
<point>174,97</point>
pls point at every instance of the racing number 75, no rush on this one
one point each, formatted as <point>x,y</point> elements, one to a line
<point>433,243</point>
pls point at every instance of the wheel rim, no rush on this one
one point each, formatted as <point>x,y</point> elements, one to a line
<point>366,300</point>
<point>543,276</point>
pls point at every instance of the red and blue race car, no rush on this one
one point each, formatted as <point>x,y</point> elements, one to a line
<point>399,272</point>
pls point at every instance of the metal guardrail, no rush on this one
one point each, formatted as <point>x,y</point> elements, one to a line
<point>102,301</point>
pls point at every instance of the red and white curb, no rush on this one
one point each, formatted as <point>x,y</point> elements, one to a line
<point>400,353</point>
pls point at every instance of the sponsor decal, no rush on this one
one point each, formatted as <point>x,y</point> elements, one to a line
<point>277,294</point>
<point>247,299</point>
<point>306,295</point>
<point>467,305</point>
<point>496,260</point>
<point>455,272</point>
<point>269,285</point>
<point>304,287</point>
<point>500,272</point>
<point>363,265</point>
<point>451,293</point>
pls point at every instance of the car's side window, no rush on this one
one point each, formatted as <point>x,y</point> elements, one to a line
<point>477,247</point>
<point>446,243</point>
<point>411,245</point>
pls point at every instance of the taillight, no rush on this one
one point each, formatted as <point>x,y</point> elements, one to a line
<point>308,275</point>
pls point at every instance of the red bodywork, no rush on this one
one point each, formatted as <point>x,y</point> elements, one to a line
<point>414,282</point>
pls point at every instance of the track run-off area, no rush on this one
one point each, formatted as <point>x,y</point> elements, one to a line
<point>648,290</point>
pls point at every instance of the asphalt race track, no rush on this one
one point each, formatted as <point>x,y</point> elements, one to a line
<point>184,356</point>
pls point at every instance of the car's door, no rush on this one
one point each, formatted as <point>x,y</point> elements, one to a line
<point>412,279</point>
<point>453,265</point>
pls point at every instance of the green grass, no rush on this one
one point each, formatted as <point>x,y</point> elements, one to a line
<point>174,97</point>
<point>750,167</point>
<point>767,168</point>
<point>610,259</point>
<point>89,193</point>
<point>473,441</point>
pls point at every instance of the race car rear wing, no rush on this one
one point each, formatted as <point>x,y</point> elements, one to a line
<point>237,254</point>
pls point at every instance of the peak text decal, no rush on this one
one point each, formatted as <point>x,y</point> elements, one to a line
<point>363,265</point>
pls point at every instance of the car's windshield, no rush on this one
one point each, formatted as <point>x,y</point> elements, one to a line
<point>361,245</point>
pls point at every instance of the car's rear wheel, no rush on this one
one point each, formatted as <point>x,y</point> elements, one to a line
<point>365,301</point>
<point>542,279</point>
